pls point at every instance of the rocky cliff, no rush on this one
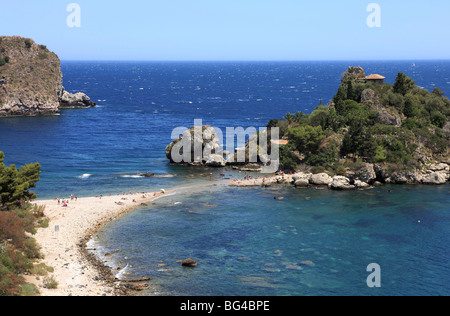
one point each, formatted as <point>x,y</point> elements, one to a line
<point>31,80</point>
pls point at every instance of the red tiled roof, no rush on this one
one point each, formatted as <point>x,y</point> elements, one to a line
<point>375,77</point>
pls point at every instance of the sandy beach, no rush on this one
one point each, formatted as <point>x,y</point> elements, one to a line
<point>63,242</point>
<point>77,271</point>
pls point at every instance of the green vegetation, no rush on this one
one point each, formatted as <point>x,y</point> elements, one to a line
<point>15,184</point>
<point>397,125</point>
<point>18,221</point>
<point>28,44</point>
<point>4,60</point>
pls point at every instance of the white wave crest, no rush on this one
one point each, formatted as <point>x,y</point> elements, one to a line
<point>85,176</point>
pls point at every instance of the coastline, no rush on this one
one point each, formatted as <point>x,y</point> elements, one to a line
<point>64,243</point>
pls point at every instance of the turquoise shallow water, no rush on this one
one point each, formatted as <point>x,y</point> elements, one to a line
<point>248,243</point>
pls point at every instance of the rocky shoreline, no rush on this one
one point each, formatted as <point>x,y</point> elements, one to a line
<point>368,176</point>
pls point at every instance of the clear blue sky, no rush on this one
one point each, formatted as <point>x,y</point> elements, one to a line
<point>233,29</point>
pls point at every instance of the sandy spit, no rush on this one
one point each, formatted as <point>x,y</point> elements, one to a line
<point>63,243</point>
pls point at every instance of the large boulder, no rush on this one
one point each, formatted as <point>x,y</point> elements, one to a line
<point>439,167</point>
<point>77,100</point>
<point>371,99</point>
<point>387,118</point>
<point>341,183</point>
<point>301,183</point>
<point>361,185</point>
<point>365,173</point>
<point>406,177</point>
<point>435,178</point>
<point>353,73</point>
<point>216,161</point>
<point>321,179</point>
<point>202,144</point>
<point>301,179</point>
<point>446,128</point>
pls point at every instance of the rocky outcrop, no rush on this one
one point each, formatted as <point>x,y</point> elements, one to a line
<point>438,173</point>
<point>446,128</point>
<point>216,161</point>
<point>341,183</point>
<point>435,178</point>
<point>77,100</point>
<point>321,179</point>
<point>371,99</point>
<point>31,81</point>
<point>387,118</point>
<point>196,146</point>
<point>361,185</point>
<point>302,179</point>
<point>365,173</point>
<point>353,73</point>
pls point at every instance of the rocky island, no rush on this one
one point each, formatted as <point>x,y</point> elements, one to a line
<point>371,133</point>
<point>31,81</point>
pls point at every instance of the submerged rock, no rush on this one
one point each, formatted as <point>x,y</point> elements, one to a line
<point>189,263</point>
<point>307,263</point>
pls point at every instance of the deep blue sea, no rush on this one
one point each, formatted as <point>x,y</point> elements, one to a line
<point>246,242</point>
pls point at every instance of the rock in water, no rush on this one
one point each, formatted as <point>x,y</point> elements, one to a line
<point>189,263</point>
<point>216,161</point>
<point>341,183</point>
<point>77,100</point>
<point>307,263</point>
<point>321,179</point>
<point>197,146</point>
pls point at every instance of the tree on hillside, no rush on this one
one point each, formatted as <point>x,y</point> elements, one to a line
<point>290,118</point>
<point>403,84</point>
<point>15,184</point>
<point>306,138</point>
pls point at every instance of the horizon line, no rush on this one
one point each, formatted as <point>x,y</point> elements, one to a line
<point>253,60</point>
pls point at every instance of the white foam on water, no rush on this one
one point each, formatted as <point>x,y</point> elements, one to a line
<point>131,176</point>
<point>85,176</point>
